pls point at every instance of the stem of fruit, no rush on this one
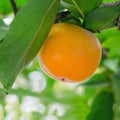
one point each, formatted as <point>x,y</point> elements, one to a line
<point>61,15</point>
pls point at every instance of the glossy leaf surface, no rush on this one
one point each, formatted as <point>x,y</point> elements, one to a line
<point>25,38</point>
<point>102,107</point>
<point>102,18</point>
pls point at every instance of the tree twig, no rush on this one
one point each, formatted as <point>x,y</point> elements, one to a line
<point>60,15</point>
<point>14,7</point>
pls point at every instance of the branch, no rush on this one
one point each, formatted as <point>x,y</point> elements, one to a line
<point>60,15</point>
<point>14,7</point>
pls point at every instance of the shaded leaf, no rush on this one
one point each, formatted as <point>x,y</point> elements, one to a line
<point>70,7</point>
<point>112,64</point>
<point>102,107</point>
<point>25,38</point>
<point>102,17</point>
<point>75,5</point>
<point>116,83</point>
<point>116,88</point>
<point>113,43</point>
<point>70,18</point>
<point>116,108</point>
<point>85,6</point>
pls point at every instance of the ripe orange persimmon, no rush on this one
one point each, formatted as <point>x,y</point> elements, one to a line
<point>70,53</point>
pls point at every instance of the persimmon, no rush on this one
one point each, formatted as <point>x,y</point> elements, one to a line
<point>70,53</point>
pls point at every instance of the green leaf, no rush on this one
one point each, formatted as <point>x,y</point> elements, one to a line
<point>113,43</point>
<point>110,39</point>
<point>112,64</point>
<point>116,108</point>
<point>20,3</point>
<point>102,107</point>
<point>116,83</point>
<point>68,1</point>
<point>85,6</point>
<point>116,88</point>
<point>70,7</point>
<point>3,30</point>
<point>95,81</point>
<point>108,33</point>
<point>5,7</point>
<point>102,17</point>
<point>76,7</point>
<point>25,37</point>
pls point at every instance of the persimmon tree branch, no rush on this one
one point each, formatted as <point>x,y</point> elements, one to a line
<point>14,6</point>
<point>61,15</point>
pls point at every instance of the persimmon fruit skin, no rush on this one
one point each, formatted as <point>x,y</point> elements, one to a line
<point>70,53</point>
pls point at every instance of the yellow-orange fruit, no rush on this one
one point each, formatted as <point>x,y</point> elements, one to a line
<point>70,53</point>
